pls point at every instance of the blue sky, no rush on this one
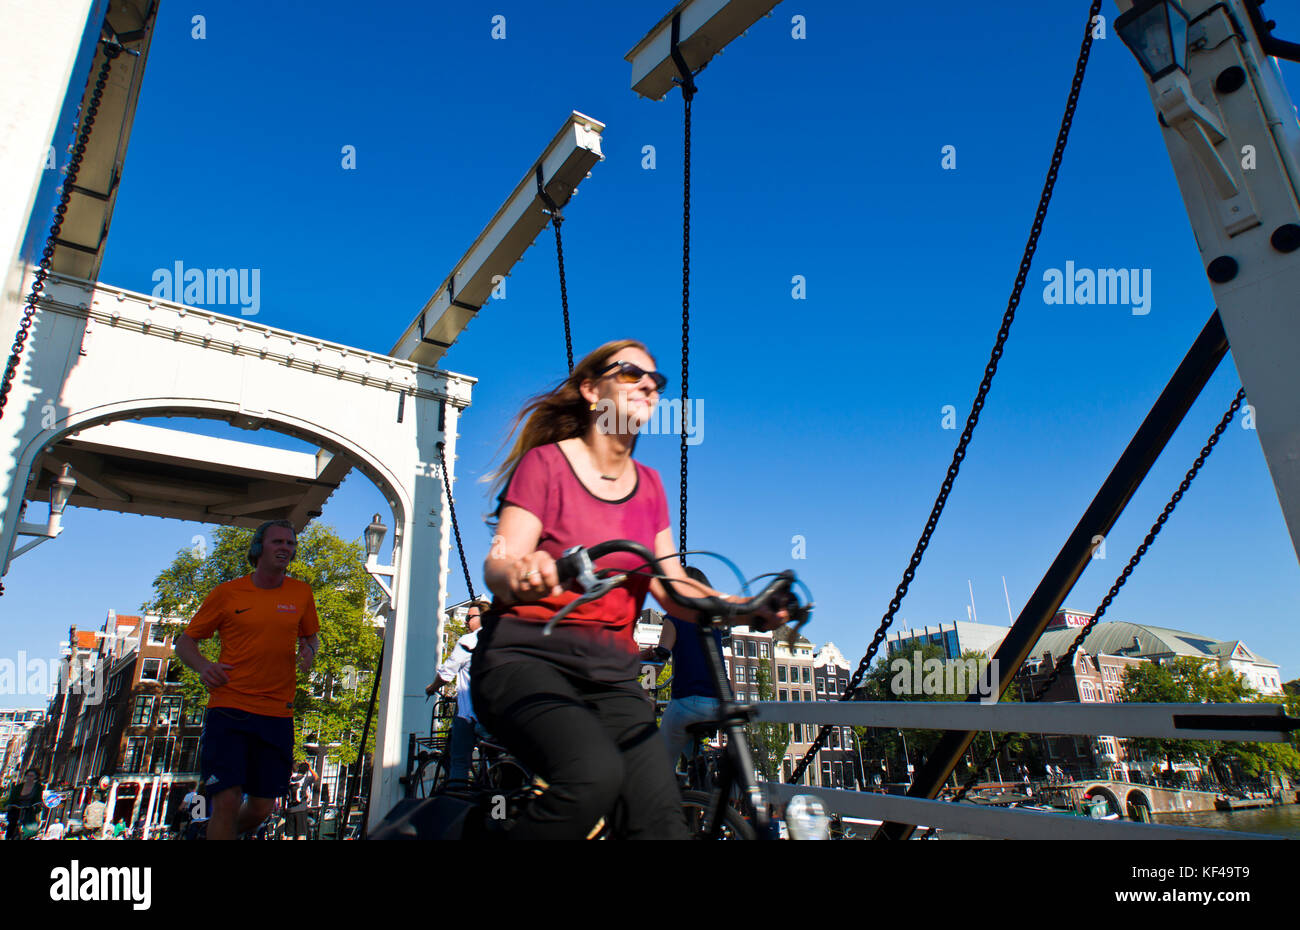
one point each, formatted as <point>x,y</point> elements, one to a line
<point>817,157</point>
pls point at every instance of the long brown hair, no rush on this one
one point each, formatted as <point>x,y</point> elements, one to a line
<point>560,413</point>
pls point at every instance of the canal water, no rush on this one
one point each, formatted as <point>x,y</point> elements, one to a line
<point>1283,820</point>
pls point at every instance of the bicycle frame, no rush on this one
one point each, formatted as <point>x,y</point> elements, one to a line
<point>737,765</point>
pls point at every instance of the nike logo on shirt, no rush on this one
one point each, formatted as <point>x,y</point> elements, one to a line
<point>242,609</point>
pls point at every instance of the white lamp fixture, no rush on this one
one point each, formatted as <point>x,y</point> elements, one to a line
<point>61,489</point>
<point>374,537</point>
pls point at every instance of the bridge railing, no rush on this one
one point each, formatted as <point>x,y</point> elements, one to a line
<point>1224,722</point>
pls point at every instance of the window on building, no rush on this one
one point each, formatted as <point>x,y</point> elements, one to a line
<point>193,716</point>
<point>161,756</point>
<point>807,696</point>
<point>133,760</point>
<point>751,649</point>
<point>784,694</point>
<point>151,670</point>
<point>157,633</point>
<point>835,738</point>
<point>780,673</point>
<point>762,650</point>
<point>143,711</point>
<point>794,695</point>
<point>826,775</point>
<point>787,769</point>
<point>844,685</point>
<point>807,674</point>
<point>173,672</point>
<point>189,758</point>
<point>821,685</point>
<point>170,710</point>
<point>1086,691</point>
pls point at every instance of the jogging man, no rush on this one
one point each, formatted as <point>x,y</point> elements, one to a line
<point>263,619</point>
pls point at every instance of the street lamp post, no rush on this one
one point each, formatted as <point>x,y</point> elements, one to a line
<point>374,537</point>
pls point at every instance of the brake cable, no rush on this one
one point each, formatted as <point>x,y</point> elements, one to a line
<point>1031,246</point>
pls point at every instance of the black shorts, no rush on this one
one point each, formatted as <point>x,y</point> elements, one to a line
<point>246,750</point>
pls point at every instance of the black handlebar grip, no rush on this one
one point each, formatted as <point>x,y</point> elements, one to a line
<point>568,566</point>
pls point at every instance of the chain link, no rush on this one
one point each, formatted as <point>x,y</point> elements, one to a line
<point>47,254</point>
<point>1067,661</point>
<point>687,94</point>
<point>1022,275</point>
<point>455,527</point>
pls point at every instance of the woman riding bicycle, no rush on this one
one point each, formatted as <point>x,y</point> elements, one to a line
<point>570,705</point>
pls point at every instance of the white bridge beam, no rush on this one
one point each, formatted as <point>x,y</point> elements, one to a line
<point>1260,723</point>
<point>564,164</point>
<point>705,28</point>
<point>1231,131</point>
<point>1005,823</point>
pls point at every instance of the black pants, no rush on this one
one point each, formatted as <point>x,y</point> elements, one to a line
<point>595,744</point>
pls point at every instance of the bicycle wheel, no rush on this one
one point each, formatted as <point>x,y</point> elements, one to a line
<point>506,776</point>
<point>431,778</point>
<point>697,805</point>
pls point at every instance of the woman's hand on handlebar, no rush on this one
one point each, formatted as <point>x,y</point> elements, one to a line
<point>533,577</point>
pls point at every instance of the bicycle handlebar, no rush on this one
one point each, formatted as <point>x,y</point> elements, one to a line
<point>577,567</point>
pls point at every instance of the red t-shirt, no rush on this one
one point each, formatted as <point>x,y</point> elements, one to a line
<point>596,640</point>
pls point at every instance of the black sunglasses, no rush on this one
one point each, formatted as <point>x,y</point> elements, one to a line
<point>631,374</point>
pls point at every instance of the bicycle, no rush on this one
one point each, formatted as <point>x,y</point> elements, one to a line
<point>446,817</point>
<point>492,768</point>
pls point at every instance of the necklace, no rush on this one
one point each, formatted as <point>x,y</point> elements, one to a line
<point>606,477</point>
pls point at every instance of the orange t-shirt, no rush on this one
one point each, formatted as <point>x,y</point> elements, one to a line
<point>259,630</point>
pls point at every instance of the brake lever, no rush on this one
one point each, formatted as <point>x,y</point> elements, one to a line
<point>598,588</point>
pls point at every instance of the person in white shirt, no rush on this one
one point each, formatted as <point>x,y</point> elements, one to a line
<point>464,726</point>
<point>54,831</point>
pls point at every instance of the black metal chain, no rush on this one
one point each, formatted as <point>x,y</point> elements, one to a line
<point>1031,246</point>
<point>1067,661</point>
<point>455,527</point>
<point>556,221</point>
<point>111,51</point>
<point>688,91</point>
<point>65,195</point>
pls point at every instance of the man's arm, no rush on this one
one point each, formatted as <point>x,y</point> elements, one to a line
<point>212,674</point>
<point>307,648</point>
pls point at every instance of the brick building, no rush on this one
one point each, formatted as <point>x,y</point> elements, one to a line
<point>839,761</point>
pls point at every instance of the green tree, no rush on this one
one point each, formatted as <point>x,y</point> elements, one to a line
<point>895,678</point>
<point>330,707</point>
<point>1188,680</point>
<point>767,741</point>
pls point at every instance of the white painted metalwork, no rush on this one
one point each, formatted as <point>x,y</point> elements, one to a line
<point>706,27</point>
<point>1007,823</point>
<point>1153,721</point>
<point>1240,179</point>
<point>565,163</point>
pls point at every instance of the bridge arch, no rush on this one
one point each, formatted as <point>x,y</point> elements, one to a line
<point>1094,791</point>
<point>1138,805</point>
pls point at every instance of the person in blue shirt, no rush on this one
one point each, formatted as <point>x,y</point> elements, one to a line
<point>694,697</point>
